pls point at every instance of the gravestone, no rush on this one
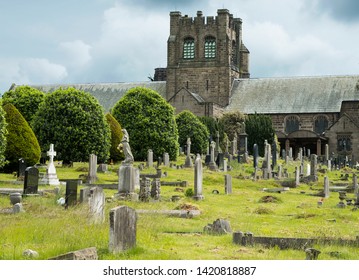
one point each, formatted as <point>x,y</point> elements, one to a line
<point>212,165</point>
<point>225,165</point>
<point>71,193</point>
<point>326,153</point>
<point>274,155</point>
<point>92,174</point>
<point>234,145</point>
<point>97,205</point>
<point>156,188</point>
<point>188,162</point>
<point>326,187</point>
<point>102,168</point>
<point>291,153</point>
<point>313,167</point>
<point>296,176</point>
<point>255,156</point>
<point>123,224</point>
<point>84,195</point>
<point>50,177</point>
<point>355,184</point>
<point>149,158</point>
<point>31,181</point>
<point>280,172</point>
<point>166,159</point>
<point>228,184</point>
<point>198,178</point>
<point>145,189</point>
<point>22,168</point>
<point>220,160</point>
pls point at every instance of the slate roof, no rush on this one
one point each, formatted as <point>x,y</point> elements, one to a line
<point>293,94</point>
<point>196,96</point>
<point>107,93</point>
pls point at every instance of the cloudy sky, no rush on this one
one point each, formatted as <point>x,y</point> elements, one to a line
<point>84,41</point>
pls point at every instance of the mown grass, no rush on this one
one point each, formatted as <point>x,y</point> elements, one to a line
<point>51,230</point>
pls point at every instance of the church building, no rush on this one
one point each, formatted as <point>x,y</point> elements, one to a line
<point>208,73</point>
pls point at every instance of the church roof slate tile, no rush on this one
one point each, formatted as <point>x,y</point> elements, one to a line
<point>293,95</point>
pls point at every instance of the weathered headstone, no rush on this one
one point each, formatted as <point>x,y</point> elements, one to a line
<point>280,172</point>
<point>228,183</point>
<point>198,178</point>
<point>123,226</point>
<point>156,188</point>
<point>225,165</point>
<point>150,158</point>
<point>219,227</point>
<point>31,181</point>
<point>274,155</point>
<point>92,174</point>
<point>355,184</point>
<point>50,177</point>
<point>326,153</point>
<point>296,176</point>
<point>71,192</point>
<point>102,168</point>
<point>313,167</point>
<point>234,145</point>
<point>83,254</point>
<point>84,195</point>
<point>97,205</point>
<point>145,189</point>
<point>220,160</point>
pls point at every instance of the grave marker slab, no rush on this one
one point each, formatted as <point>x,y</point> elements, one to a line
<point>71,193</point>
<point>31,181</point>
<point>97,205</point>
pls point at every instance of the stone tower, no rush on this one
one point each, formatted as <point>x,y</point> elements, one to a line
<point>204,56</point>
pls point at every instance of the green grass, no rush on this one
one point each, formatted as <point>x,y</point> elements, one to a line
<point>51,230</point>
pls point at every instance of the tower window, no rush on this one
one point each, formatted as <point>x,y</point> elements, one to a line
<point>188,48</point>
<point>210,47</point>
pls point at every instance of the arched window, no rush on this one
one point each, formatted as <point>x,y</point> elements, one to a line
<point>210,47</point>
<point>188,48</point>
<point>320,124</point>
<point>291,124</point>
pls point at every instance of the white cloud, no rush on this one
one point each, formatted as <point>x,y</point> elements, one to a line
<point>40,70</point>
<point>76,53</point>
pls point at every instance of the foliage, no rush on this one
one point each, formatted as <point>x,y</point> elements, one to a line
<point>3,133</point>
<point>21,140</point>
<point>190,126</point>
<point>189,192</point>
<point>74,122</point>
<point>116,137</point>
<point>26,99</point>
<point>149,121</point>
<point>231,123</point>
<point>214,126</point>
<point>259,128</point>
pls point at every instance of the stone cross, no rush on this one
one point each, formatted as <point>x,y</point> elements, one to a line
<point>51,154</point>
<point>212,164</point>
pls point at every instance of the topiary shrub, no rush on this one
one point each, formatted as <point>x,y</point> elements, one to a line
<point>21,140</point>
<point>3,132</point>
<point>116,137</point>
<point>74,122</point>
<point>26,99</point>
<point>190,126</point>
<point>149,121</point>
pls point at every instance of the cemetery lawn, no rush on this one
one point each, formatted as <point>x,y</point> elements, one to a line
<point>51,230</point>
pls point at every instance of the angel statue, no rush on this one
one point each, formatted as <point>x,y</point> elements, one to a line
<point>125,147</point>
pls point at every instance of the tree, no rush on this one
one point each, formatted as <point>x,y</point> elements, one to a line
<point>259,128</point>
<point>116,136</point>
<point>231,122</point>
<point>190,126</point>
<point>21,140</point>
<point>3,133</point>
<point>74,122</point>
<point>214,127</point>
<point>26,99</point>
<point>149,121</point>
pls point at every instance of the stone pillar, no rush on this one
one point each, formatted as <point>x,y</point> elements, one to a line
<point>313,167</point>
<point>326,153</point>
<point>198,178</point>
<point>326,187</point>
<point>92,174</point>
<point>296,176</point>
<point>123,226</point>
<point>150,158</point>
<point>228,183</point>
<point>166,159</point>
<point>355,184</point>
<point>188,162</point>
<point>255,155</point>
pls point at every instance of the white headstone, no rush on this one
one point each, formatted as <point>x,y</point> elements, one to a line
<point>50,177</point>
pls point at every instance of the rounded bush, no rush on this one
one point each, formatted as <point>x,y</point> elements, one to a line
<point>21,140</point>
<point>75,123</point>
<point>116,137</point>
<point>26,99</point>
<point>149,121</point>
<point>190,126</point>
